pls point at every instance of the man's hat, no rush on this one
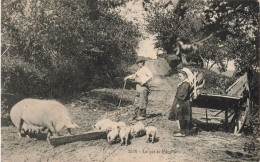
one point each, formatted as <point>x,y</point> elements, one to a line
<point>140,60</point>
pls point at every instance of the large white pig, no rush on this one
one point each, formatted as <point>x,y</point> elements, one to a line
<point>48,114</point>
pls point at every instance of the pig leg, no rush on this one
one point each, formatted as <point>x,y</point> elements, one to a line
<point>147,136</point>
<point>126,140</point>
<point>49,134</point>
<point>51,129</point>
<point>69,130</point>
<point>122,141</point>
<point>20,128</point>
<point>28,134</point>
<point>153,138</point>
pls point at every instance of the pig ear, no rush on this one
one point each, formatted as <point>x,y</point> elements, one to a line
<point>76,125</point>
<point>72,125</point>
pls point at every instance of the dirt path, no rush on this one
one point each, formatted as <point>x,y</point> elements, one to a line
<point>204,146</point>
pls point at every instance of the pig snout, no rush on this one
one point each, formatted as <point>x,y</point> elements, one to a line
<point>72,125</point>
<point>112,136</point>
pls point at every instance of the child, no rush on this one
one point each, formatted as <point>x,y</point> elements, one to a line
<point>181,109</point>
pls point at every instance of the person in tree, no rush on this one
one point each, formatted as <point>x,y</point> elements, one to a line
<point>181,109</point>
<point>181,49</point>
<point>141,77</point>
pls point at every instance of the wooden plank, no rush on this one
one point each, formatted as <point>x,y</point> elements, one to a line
<point>198,113</point>
<point>87,136</point>
<point>218,113</point>
<point>226,119</point>
<point>217,102</point>
<point>221,96</point>
<point>211,117</point>
<point>206,115</point>
<point>233,84</point>
<point>237,88</point>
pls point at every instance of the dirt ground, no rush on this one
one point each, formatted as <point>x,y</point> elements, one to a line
<point>209,143</point>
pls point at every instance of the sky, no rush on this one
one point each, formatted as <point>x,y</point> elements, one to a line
<point>133,11</point>
<point>146,48</point>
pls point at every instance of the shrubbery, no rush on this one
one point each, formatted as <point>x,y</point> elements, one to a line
<point>215,83</point>
<point>52,49</point>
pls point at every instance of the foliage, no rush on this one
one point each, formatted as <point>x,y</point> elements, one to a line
<point>55,48</point>
<point>220,30</point>
<point>212,26</point>
<point>214,83</point>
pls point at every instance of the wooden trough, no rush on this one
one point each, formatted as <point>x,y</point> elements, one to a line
<point>87,136</point>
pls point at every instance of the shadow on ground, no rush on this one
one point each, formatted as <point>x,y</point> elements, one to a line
<point>154,115</point>
<point>203,126</point>
<point>103,98</point>
<point>6,121</point>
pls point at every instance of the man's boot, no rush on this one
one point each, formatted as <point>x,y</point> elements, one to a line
<point>141,115</point>
<point>135,114</point>
<point>143,112</point>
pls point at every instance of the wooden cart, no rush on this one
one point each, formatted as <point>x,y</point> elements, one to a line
<point>235,105</point>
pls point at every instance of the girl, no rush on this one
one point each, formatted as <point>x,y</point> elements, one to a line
<point>181,109</point>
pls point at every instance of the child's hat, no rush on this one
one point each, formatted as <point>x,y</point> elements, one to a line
<point>189,74</point>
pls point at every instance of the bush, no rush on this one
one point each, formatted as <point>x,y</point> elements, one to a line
<point>214,83</point>
<point>58,48</point>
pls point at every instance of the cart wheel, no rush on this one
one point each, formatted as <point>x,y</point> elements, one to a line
<point>241,115</point>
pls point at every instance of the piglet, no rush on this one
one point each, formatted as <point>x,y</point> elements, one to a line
<point>150,132</point>
<point>138,129</point>
<point>103,124</point>
<point>124,134</point>
<point>112,135</point>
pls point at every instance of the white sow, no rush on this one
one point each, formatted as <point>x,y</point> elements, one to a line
<point>48,114</point>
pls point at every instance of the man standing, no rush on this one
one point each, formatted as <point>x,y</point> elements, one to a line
<point>141,77</point>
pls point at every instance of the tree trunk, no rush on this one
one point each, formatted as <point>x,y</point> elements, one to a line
<point>183,59</point>
<point>212,66</point>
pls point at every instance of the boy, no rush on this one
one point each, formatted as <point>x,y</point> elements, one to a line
<point>141,77</point>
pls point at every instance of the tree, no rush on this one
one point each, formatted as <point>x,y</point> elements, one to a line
<point>59,45</point>
<point>193,22</point>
